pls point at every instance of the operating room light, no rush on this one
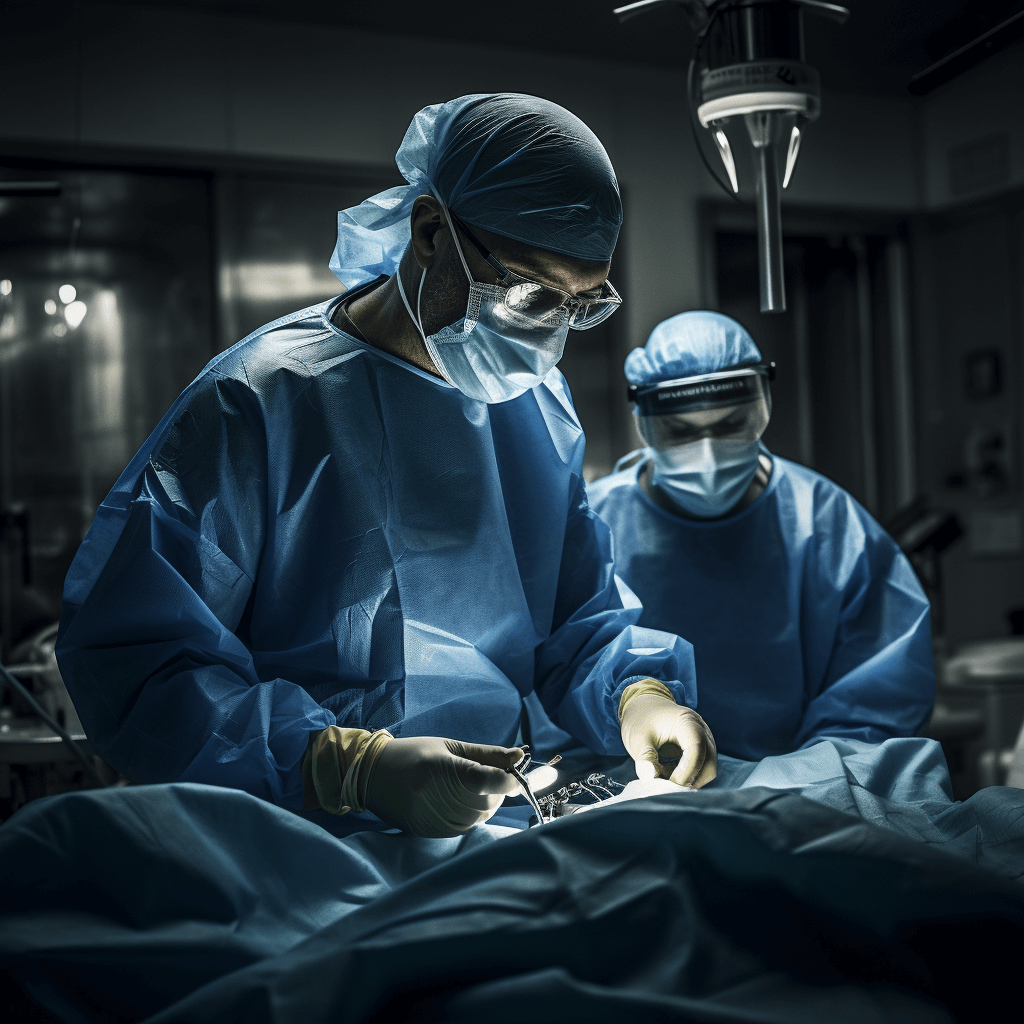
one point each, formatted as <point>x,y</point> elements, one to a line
<point>543,777</point>
<point>722,140</point>
<point>75,312</point>
<point>750,88</point>
<point>50,306</point>
<point>5,287</point>
<point>67,293</point>
<point>791,155</point>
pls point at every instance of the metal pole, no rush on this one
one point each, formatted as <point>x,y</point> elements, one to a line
<point>867,374</point>
<point>7,353</point>
<point>902,377</point>
<point>769,230</point>
<point>801,333</point>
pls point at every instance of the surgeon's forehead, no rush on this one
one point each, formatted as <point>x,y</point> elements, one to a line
<point>565,272</point>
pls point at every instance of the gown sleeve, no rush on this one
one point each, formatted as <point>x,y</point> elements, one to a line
<point>151,643</point>
<point>879,681</point>
<point>595,648</point>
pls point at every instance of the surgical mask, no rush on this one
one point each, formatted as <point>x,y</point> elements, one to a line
<point>706,478</point>
<point>492,354</point>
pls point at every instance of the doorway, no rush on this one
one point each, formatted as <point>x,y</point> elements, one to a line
<point>842,400</point>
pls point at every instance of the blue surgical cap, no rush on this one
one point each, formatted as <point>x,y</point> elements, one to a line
<point>516,165</point>
<point>689,344</point>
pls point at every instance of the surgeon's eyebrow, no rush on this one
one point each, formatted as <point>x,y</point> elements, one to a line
<point>534,272</point>
<point>523,264</point>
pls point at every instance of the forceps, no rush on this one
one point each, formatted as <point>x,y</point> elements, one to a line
<point>518,772</point>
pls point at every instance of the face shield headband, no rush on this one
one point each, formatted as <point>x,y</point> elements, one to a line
<point>731,405</point>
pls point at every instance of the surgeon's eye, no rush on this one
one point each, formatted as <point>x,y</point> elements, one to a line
<point>732,425</point>
<point>684,435</point>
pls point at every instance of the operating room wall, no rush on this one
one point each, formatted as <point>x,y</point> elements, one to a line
<point>973,133</point>
<point>970,265</point>
<point>105,83</point>
<point>969,258</point>
<point>157,81</point>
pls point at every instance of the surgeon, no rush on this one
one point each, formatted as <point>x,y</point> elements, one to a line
<point>360,539</point>
<point>806,619</point>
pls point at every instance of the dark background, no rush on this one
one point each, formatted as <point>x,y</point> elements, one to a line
<point>204,148</point>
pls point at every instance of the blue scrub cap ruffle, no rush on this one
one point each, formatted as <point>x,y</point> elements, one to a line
<point>516,165</point>
<point>690,344</point>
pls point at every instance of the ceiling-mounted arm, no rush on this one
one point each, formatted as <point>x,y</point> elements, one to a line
<point>833,11</point>
<point>696,10</point>
<point>750,56</point>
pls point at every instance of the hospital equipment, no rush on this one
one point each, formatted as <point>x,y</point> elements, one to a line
<point>551,795</point>
<point>43,748</point>
<point>986,677</point>
<point>518,772</point>
<point>7,679</point>
<point>749,58</point>
<point>924,533</point>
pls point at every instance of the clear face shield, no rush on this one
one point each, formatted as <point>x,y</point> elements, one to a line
<point>733,405</point>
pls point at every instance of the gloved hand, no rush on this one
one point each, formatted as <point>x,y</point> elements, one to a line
<point>436,787</point>
<point>426,785</point>
<point>655,726</point>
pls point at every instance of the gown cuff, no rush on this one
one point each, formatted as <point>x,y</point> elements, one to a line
<point>648,685</point>
<point>338,764</point>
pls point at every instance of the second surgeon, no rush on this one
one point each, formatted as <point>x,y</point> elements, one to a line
<point>806,619</point>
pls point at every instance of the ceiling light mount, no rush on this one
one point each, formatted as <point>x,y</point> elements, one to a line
<point>748,77</point>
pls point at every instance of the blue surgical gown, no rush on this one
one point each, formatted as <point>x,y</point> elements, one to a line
<point>806,619</point>
<point>319,533</point>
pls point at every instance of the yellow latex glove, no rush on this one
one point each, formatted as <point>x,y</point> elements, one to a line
<point>426,785</point>
<point>655,726</point>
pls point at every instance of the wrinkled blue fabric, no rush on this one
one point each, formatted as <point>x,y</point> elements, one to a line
<point>901,784</point>
<point>698,341</point>
<point>200,881</point>
<point>517,165</point>
<point>320,533</point>
<point>806,619</point>
<point>840,882</point>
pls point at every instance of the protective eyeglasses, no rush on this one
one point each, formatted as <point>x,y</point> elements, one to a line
<point>542,303</point>
<point>734,405</point>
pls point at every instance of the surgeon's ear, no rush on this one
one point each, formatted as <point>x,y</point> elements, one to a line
<point>425,222</point>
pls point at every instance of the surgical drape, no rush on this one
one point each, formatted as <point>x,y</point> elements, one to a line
<point>320,533</point>
<point>806,619</point>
